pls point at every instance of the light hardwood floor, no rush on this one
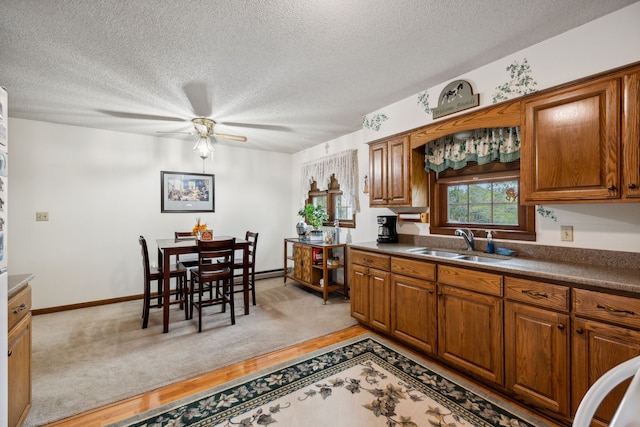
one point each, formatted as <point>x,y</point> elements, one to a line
<point>138,404</point>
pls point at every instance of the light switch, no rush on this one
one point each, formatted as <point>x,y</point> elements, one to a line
<point>566,233</point>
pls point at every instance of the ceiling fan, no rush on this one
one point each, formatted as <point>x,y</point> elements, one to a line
<point>204,128</point>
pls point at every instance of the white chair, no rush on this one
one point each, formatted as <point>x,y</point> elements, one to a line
<point>628,412</point>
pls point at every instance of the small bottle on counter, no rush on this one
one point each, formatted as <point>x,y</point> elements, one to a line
<point>490,247</point>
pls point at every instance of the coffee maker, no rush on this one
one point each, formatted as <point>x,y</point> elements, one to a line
<point>387,229</point>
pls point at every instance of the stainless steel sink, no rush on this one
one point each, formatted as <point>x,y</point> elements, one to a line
<point>481,259</point>
<point>433,252</point>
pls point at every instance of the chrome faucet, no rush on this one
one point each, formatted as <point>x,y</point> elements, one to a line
<point>468,237</point>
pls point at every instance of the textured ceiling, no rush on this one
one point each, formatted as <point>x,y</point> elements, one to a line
<point>286,74</point>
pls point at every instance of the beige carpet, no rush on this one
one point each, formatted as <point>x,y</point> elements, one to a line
<point>87,358</point>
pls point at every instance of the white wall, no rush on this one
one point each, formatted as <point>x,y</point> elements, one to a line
<point>102,191</point>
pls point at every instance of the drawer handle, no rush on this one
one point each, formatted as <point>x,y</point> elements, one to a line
<point>580,331</point>
<point>611,188</point>
<point>615,310</point>
<point>368,260</point>
<point>19,309</point>
<point>632,186</point>
<point>534,294</point>
<point>561,327</point>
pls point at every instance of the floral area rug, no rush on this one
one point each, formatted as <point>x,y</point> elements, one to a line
<point>365,381</point>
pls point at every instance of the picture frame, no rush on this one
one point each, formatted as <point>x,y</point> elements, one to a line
<point>187,192</point>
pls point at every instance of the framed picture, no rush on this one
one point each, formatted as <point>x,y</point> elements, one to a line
<point>187,192</point>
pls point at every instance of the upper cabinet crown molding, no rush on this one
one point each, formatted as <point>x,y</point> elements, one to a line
<point>505,114</point>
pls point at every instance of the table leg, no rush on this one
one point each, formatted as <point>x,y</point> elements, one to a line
<point>245,278</point>
<point>166,290</point>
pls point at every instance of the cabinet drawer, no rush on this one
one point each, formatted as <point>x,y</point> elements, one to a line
<point>473,280</point>
<point>370,259</point>
<point>19,306</point>
<point>408,267</point>
<point>537,293</point>
<point>613,308</point>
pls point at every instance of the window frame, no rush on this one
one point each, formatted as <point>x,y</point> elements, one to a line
<point>330,194</point>
<point>495,171</point>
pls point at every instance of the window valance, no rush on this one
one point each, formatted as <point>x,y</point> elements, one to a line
<point>343,165</point>
<point>482,146</point>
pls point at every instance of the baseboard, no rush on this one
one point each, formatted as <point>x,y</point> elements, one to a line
<point>269,274</point>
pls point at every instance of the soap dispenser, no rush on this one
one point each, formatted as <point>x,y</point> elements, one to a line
<point>490,248</point>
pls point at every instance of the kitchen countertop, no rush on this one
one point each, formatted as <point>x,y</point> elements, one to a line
<point>18,281</point>
<point>615,278</point>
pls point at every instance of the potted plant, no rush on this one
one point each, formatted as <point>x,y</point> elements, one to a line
<point>315,215</point>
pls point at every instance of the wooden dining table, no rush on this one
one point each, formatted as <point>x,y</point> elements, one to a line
<point>172,247</point>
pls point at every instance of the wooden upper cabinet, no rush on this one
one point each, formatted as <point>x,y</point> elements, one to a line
<point>397,178</point>
<point>631,136</point>
<point>571,144</point>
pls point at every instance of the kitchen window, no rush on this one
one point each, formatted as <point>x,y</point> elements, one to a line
<point>334,202</point>
<point>482,198</point>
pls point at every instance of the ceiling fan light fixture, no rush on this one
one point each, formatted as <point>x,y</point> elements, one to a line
<point>204,146</point>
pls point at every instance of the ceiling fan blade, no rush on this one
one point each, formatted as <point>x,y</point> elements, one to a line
<point>231,137</point>
<point>187,133</point>
<point>256,126</point>
<point>137,116</point>
<point>198,95</point>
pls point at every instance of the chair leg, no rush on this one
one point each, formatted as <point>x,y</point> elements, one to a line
<point>185,296</point>
<point>252,285</point>
<point>145,305</point>
<point>228,295</point>
<point>200,306</point>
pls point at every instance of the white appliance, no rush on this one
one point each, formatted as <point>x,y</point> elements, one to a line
<point>4,346</point>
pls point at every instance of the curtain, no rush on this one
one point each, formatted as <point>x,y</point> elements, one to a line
<point>482,146</point>
<point>343,165</point>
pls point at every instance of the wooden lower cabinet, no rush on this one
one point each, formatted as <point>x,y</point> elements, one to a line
<point>303,258</point>
<point>544,344</point>
<point>605,333</point>
<point>19,357</point>
<point>369,278</point>
<point>413,312</point>
<point>537,355</point>
<point>470,332</point>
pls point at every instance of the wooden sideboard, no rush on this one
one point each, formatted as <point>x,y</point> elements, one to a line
<point>316,272</point>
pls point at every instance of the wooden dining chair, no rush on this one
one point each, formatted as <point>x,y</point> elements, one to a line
<point>154,274</point>
<point>252,238</point>
<point>186,260</point>
<point>215,266</point>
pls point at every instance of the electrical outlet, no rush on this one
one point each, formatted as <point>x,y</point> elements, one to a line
<point>566,233</point>
<point>42,216</point>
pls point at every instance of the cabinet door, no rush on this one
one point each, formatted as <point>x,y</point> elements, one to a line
<point>470,332</point>
<point>359,292</point>
<point>398,179</point>
<point>19,380</point>
<point>537,355</point>
<point>378,174</point>
<point>303,257</point>
<point>631,137</point>
<point>413,312</point>
<point>598,347</point>
<point>570,147</point>
<point>379,299</point>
